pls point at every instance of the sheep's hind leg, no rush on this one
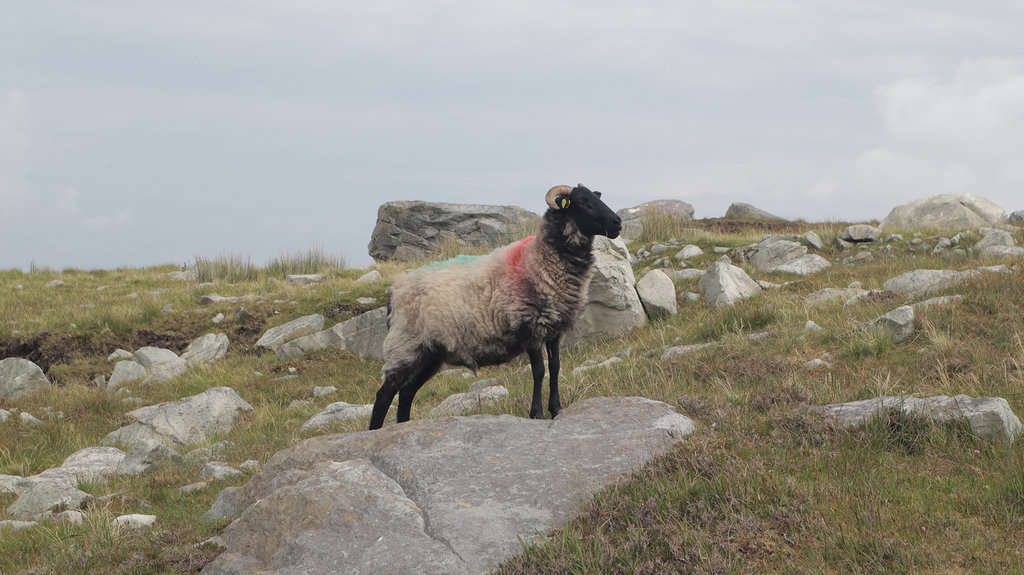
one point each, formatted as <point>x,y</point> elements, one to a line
<point>407,393</point>
<point>537,367</point>
<point>554,402</point>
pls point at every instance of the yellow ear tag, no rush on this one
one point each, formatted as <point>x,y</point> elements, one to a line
<point>565,203</point>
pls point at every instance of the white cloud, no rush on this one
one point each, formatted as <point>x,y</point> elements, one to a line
<point>67,201</point>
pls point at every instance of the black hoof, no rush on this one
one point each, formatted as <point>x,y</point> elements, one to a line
<point>536,414</point>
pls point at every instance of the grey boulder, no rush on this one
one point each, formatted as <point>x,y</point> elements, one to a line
<point>613,307</point>
<point>1017,218</point>
<point>337,412</point>
<point>190,420</point>
<point>445,496</point>
<point>657,294</point>
<point>470,402</point>
<point>19,377</point>
<point>921,282</point>
<point>946,211</point>
<point>724,284</point>
<point>411,230</point>
<point>363,334</point>
<point>989,417</point>
<point>126,371</point>
<point>206,349</point>
<point>743,211</point>
<point>899,323</point>
<point>277,336</point>
<point>861,233</point>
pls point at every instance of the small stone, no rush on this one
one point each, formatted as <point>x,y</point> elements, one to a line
<point>814,240</point>
<point>817,364</point>
<point>369,277</point>
<point>218,470</point>
<point>214,298</point>
<point>898,322</point>
<point>325,390</point>
<point>689,251</point>
<point>134,521</point>
<point>304,279</point>
<point>250,465</point>
<point>193,487</point>
<point>27,418</point>
<point>54,283</point>
<point>297,403</point>
<point>120,354</point>
<point>678,350</point>
<point>71,516</point>
<point>366,300</point>
<point>15,525</point>
<point>812,326</point>
<point>242,315</point>
<point>218,318</point>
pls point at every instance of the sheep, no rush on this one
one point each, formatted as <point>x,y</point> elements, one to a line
<point>522,297</point>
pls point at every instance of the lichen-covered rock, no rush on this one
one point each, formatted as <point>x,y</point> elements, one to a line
<point>861,233</point>
<point>363,334</point>
<point>443,496</point>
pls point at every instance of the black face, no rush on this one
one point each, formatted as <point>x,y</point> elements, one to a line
<point>592,215</point>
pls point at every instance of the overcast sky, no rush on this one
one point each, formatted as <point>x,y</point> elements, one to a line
<point>139,133</point>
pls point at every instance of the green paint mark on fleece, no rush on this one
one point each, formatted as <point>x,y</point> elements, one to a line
<point>457,260</point>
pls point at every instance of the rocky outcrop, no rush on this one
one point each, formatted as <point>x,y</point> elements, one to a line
<point>19,377</point>
<point>742,211</point>
<point>774,254</point>
<point>415,230</point>
<point>613,306</point>
<point>445,496</point>
<point>947,212</point>
<point>922,282</point>
<point>988,416</point>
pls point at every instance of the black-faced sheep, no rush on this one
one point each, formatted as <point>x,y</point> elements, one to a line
<point>522,297</point>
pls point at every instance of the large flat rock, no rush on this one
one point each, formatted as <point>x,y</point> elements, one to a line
<point>452,495</point>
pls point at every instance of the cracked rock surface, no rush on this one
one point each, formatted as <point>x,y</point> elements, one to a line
<point>451,495</point>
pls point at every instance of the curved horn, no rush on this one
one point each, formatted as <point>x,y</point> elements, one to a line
<point>553,193</point>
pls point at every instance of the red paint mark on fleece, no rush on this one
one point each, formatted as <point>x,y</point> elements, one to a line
<point>513,263</point>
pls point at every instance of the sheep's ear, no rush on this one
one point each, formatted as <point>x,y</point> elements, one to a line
<point>597,193</point>
<point>562,200</point>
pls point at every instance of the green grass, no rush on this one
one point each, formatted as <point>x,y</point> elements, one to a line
<point>762,486</point>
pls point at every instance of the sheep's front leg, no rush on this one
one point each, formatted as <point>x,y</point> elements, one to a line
<point>554,403</point>
<point>537,367</point>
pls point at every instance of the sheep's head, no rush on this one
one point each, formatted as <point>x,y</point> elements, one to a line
<point>591,215</point>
